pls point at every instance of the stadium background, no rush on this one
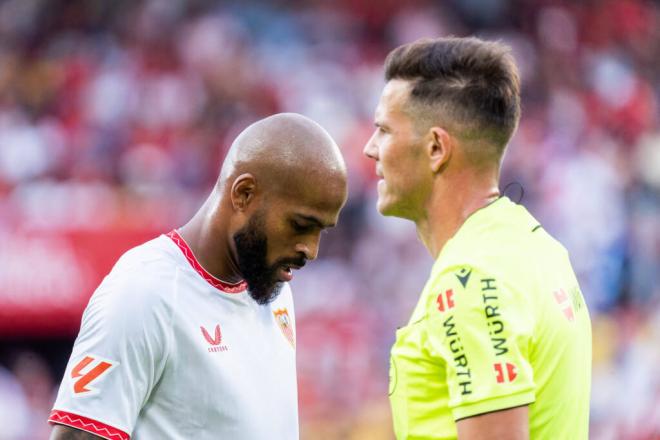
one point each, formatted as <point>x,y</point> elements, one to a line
<point>114,118</point>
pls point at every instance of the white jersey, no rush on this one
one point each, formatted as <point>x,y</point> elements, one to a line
<point>167,351</point>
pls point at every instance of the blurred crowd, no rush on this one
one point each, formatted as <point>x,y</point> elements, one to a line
<point>116,115</point>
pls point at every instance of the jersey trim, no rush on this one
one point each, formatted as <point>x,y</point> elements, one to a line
<point>494,404</point>
<point>215,282</point>
<point>86,424</point>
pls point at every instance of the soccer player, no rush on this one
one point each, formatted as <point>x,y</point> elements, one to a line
<point>192,334</point>
<point>499,344</point>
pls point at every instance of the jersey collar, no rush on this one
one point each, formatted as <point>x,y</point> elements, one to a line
<point>215,282</point>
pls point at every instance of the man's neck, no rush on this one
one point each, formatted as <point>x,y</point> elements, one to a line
<point>206,236</point>
<point>450,206</point>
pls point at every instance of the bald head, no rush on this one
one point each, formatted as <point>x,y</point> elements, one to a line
<point>282,183</point>
<point>284,150</point>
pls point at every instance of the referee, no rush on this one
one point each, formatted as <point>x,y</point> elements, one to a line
<point>499,344</point>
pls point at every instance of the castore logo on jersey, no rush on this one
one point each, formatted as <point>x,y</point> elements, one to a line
<point>214,341</point>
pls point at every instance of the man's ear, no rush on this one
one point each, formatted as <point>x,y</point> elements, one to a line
<point>439,148</point>
<point>243,191</point>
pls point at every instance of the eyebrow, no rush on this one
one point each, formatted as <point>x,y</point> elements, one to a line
<point>316,221</point>
<point>381,124</point>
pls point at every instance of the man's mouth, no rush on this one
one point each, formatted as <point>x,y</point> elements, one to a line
<point>284,274</point>
<point>285,271</point>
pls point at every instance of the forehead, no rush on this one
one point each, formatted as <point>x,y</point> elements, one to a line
<point>309,197</point>
<point>393,98</point>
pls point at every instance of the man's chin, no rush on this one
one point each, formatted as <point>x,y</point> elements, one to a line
<point>386,209</point>
<point>383,210</point>
<point>265,295</point>
<point>392,210</point>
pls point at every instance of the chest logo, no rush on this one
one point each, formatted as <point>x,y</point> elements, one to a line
<point>284,322</point>
<point>90,369</point>
<point>214,341</point>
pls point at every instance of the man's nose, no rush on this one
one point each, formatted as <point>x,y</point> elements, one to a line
<point>309,249</point>
<point>371,149</point>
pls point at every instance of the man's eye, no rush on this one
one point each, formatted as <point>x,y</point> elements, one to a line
<point>300,227</point>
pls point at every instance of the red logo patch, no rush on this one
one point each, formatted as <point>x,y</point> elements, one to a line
<point>445,300</point>
<point>214,341</point>
<point>562,299</point>
<point>505,372</point>
<point>217,337</point>
<point>89,369</point>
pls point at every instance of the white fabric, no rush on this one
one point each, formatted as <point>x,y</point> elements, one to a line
<point>163,378</point>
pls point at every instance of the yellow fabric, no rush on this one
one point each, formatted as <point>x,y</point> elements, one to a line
<point>500,323</point>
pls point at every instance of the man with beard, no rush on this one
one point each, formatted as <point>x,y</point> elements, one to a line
<point>191,335</point>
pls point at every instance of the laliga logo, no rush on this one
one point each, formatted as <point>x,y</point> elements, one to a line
<point>90,369</point>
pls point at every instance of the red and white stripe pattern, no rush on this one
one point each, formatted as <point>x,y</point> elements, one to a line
<point>86,424</point>
<point>218,284</point>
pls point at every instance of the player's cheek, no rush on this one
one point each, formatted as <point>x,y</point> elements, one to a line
<point>277,247</point>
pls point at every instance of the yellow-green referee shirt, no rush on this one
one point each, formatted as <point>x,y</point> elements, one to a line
<point>501,323</point>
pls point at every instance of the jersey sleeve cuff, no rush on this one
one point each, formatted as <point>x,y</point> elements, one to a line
<point>491,405</point>
<point>86,424</point>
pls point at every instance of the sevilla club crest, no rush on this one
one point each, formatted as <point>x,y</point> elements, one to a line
<point>284,322</point>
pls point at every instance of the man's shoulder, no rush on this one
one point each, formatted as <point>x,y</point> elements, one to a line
<point>144,275</point>
<point>507,241</point>
<point>156,255</point>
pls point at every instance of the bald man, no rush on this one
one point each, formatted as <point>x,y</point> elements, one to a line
<point>192,335</point>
